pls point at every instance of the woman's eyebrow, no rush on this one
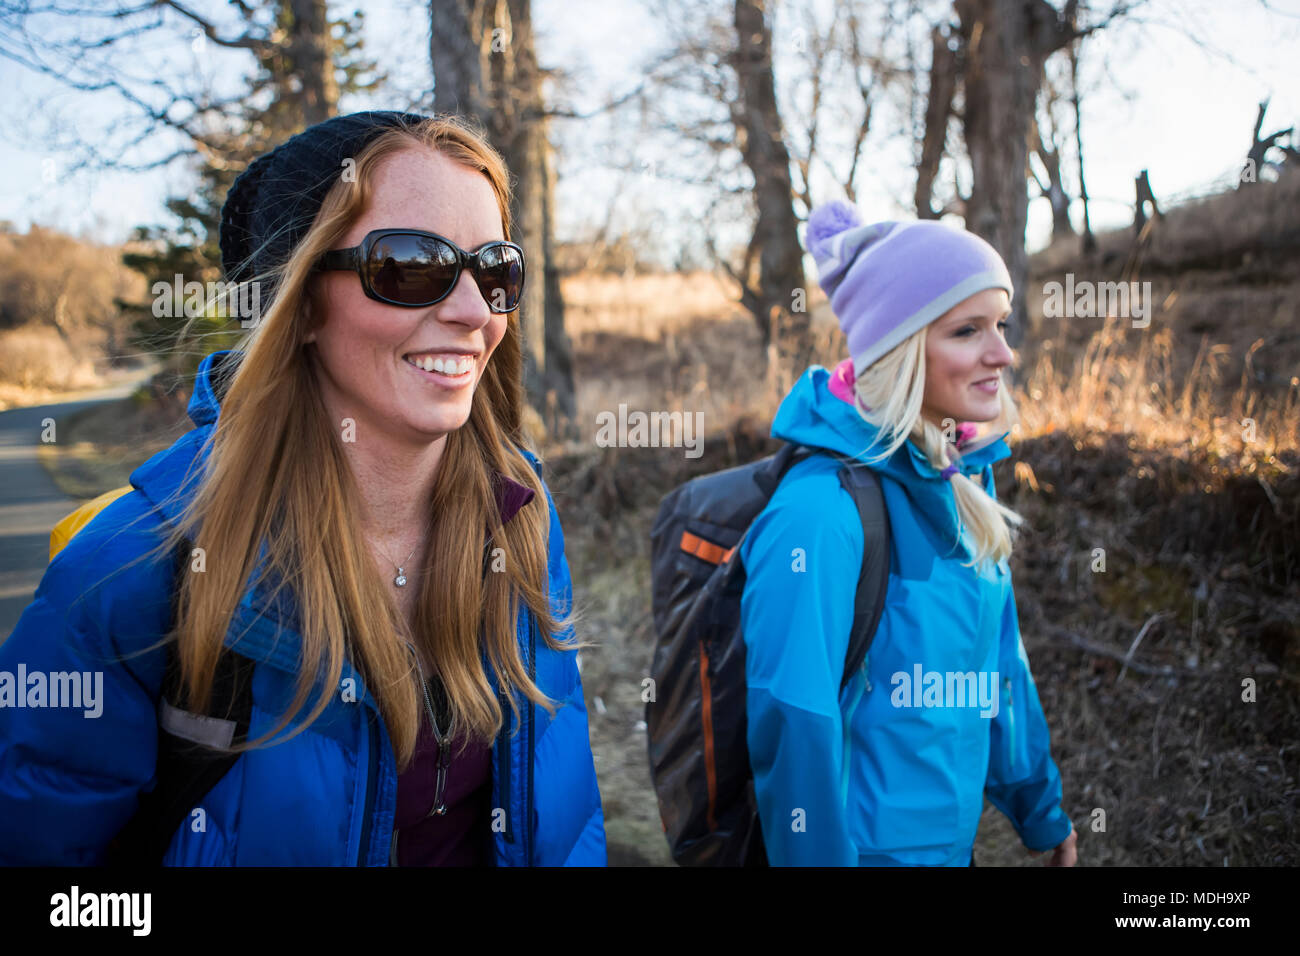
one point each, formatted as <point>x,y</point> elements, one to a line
<point>979,317</point>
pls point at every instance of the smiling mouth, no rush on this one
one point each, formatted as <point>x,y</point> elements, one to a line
<point>988,384</point>
<point>449,364</point>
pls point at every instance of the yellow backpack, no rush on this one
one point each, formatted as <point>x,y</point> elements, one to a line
<point>63,532</point>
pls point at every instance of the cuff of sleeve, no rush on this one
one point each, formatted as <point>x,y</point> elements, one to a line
<point>1049,834</point>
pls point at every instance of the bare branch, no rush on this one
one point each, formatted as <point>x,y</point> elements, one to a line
<point>246,42</point>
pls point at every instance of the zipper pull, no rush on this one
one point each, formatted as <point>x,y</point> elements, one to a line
<point>439,807</point>
<point>1011,720</point>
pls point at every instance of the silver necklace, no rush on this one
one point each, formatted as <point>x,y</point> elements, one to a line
<point>400,580</point>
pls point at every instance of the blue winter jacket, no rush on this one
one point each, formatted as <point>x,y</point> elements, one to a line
<point>69,782</point>
<point>893,770</point>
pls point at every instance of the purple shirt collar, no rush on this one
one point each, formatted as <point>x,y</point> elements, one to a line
<point>511,496</point>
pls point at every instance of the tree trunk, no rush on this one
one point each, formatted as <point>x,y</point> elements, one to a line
<point>1259,147</point>
<point>938,107</point>
<point>775,242</point>
<point>485,69</point>
<point>1055,192</point>
<point>563,419</point>
<point>455,35</point>
<point>309,53</point>
<point>1005,45</point>
<point>1089,240</point>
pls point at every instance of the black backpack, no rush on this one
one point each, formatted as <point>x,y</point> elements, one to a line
<point>699,759</point>
<point>187,767</point>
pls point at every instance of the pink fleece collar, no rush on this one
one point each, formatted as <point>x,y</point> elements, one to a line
<point>841,383</point>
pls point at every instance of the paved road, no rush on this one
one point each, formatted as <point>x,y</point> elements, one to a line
<point>30,502</point>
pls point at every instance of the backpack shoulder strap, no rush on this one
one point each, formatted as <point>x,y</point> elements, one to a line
<point>863,484</point>
<point>193,749</point>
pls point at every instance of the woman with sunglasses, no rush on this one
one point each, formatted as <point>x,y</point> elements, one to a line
<point>370,562</point>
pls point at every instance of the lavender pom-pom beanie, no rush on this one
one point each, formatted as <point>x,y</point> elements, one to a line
<point>889,280</point>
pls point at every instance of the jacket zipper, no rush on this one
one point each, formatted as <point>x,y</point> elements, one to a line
<point>372,778</point>
<point>443,737</point>
<point>528,796</point>
<point>503,767</point>
<point>848,725</point>
<point>1011,718</point>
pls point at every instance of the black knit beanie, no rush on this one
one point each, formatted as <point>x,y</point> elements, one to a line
<point>272,204</point>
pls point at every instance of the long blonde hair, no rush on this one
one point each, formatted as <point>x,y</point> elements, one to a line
<point>277,504</point>
<point>890,394</point>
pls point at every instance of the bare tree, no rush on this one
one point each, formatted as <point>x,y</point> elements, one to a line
<point>712,98</point>
<point>945,67</point>
<point>1089,240</point>
<point>775,259</point>
<point>1004,44</point>
<point>295,54</point>
<point>1046,147</point>
<point>1259,147</point>
<point>486,69</point>
<point>1144,196</point>
<point>155,58</point>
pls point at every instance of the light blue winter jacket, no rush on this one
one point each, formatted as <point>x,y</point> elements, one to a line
<point>892,771</point>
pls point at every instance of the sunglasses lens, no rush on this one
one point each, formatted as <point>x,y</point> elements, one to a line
<point>500,277</point>
<point>411,269</point>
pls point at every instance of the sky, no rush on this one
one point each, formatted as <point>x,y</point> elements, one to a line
<point>1153,99</point>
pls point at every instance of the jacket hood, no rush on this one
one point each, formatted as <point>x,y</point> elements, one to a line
<point>811,414</point>
<point>170,478</point>
<point>215,372</point>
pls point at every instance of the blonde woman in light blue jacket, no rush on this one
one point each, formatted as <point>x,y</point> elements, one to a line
<point>893,770</point>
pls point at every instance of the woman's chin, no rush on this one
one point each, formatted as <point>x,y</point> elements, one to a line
<point>980,412</point>
<point>433,423</point>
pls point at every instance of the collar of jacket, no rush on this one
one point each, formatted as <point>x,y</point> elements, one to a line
<point>971,460</point>
<point>812,414</point>
<point>264,624</point>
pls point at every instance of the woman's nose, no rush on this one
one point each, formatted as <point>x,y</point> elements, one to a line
<point>999,353</point>
<point>465,304</point>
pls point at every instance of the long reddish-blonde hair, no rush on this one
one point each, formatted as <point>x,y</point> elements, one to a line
<point>277,504</point>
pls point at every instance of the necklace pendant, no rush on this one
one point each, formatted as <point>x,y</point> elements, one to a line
<point>400,580</point>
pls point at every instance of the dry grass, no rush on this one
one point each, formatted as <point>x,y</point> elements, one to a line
<point>35,362</point>
<point>686,345</point>
<point>58,312</point>
<point>1223,271</point>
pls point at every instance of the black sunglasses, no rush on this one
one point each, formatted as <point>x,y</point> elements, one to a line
<point>414,268</point>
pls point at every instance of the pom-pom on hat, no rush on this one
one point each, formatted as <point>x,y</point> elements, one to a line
<point>888,280</point>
